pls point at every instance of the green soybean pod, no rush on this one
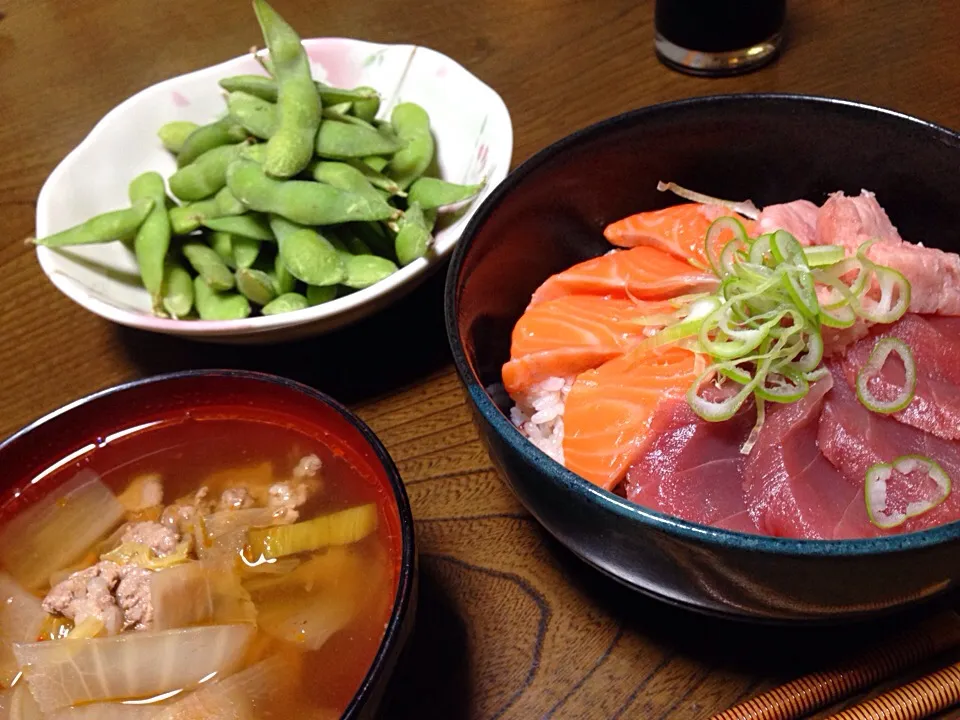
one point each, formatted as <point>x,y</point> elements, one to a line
<point>338,140</point>
<point>177,290</point>
<point>375,162</point>
<point>344,177</point>
<point>184,219</point>
<point>208,265</point>
<point>257,116</point>
<point>217,305</point>
<point>103,228</point>
<point>302,201</point>
<point>431,193</point>
<point>153,236</point>
<point>288,302</point>
<point>245,251</point>
<point>249,225</point>
<point>257,153</point>
<point>367,108</point>
<point>175,133</point>
<point>334,96</point>
<point>255,285</point>
<point>339,110</point>
<point>317,295</point>
<point>283,280</point>
<point>355,244</point>
<point>412,126</point>
<point>377,179</point>
<point>366,270</point>
<point>205,176</point>
<point>208,137</point>
<point>375,236</point>
<point>307,254</point>
<point>222,244</point>
<point>259,86</point>
<point>413,237</point>
<point>290,148</point>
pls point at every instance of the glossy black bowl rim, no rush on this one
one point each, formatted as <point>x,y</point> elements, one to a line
<point>406,582</point>
<point>560,476</point>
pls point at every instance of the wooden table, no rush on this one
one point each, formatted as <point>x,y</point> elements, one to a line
<point>510,624</point>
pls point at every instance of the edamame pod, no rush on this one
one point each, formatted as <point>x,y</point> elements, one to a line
<point>209,266</point>
<point>317,295</point>
<point>187,218</point>
<point>214,305</point>
<point>222,244</point>
<point>375,162</point>
<point>175,133</point>
<point>375,236</point>
<point>106,227</point>
<point>282,279</point>
<point>366,270</point>
<point>432,193</point>
<point>245,251</point>
<point>307,254</point>
<point>257,153</point>
<point>257,116</point>
<point>338,140</point>
<point>413,238</point>
<point>366,109</point>
<point>412,125</point>
<point>332,95</point>
<point>249,225</point>
<point>206,175</point>
<point>302,201</point>
<point>208,137</point>
<point>153,236</point>
<point>376,178</point>
<point>259,86</point>
<point>288,302</point>
<point>256,285</point>
<point>298,104</point>
<point>177,290</point>
<point>344,177</point>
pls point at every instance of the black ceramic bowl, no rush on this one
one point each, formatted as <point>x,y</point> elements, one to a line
<point>73,430</point>
<point>549,214</point>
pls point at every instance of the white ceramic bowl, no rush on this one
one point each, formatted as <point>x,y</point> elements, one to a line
<point>474,140</point>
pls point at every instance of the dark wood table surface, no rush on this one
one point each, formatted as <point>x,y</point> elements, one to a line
<point>510,624</point>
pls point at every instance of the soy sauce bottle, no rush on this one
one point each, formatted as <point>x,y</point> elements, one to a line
<point>718,37</point>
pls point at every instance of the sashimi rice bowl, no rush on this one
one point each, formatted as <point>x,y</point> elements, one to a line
<point>786,371</point>
<point>745,406</point>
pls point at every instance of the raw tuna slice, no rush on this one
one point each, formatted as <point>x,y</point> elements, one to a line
<point>935,344</point>
<point>791,489</point>
<point>693,469</point>
<point>853,439</point>
<point>852,221</point>
<point>799,218</point>
<point>641,272</point>
<point>934,275</point>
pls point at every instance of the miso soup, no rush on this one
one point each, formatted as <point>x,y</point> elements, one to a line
<point>195,567</point>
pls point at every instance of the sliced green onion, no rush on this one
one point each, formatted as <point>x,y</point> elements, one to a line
<point>716,229</point>
<point>894,297</point>
<point>820,255</point>
<point>875,490</point>
<point>757,427</point>
<point>874,365</point>
<point>774,389</point>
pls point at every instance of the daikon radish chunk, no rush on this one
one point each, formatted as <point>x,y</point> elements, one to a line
<point>133,665</point>
<point>6,698</point>
<point>22,704</point>
<point>199,592</point>
<point>261,691</point>
<point>56,531</point>
<point>20,620</point>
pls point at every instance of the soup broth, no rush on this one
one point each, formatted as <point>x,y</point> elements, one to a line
<point>292,541</point>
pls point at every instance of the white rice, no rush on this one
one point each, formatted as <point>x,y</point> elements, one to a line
<point>538,414</point>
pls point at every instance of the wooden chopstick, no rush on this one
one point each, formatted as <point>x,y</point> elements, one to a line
<point>914,701</point>
<point>800,697</point>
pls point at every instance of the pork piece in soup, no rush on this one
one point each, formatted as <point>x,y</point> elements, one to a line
<point>214,568</point>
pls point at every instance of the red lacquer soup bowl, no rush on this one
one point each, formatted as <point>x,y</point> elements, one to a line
<point>186,427</point>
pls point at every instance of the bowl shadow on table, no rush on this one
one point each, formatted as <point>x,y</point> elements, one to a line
<point>375,356</point>
<point>432,678</point>
<point>777,651</point>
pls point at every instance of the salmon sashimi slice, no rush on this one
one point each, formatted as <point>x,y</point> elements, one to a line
<point>573,333</point>
<point>643,273</point>
<point>679,230</point>
<point>609,410</point>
